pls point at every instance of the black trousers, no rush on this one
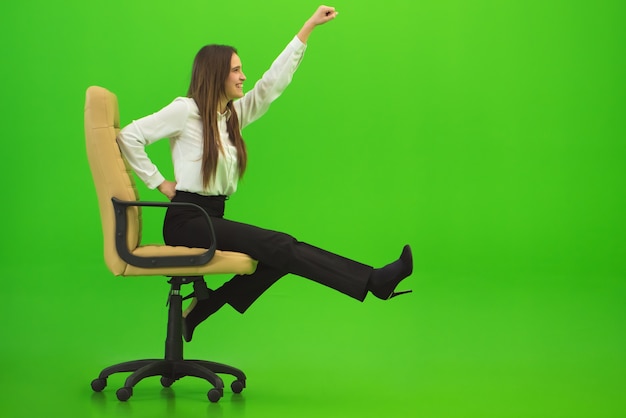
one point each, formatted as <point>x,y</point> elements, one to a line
<point>278,254</point>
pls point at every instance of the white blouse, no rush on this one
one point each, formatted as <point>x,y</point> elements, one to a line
<point>180,122</point>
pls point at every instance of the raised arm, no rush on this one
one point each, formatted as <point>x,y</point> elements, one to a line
<point>322,15</point>
<point>274,81</point>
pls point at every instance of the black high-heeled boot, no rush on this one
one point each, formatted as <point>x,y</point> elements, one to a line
<point>198,311</point>
<point>383,281</point>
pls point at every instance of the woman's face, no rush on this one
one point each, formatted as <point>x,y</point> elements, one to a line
<point>236,77</point>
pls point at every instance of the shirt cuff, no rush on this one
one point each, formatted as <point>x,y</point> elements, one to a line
<point>297,44</point>
<point>154,180</point>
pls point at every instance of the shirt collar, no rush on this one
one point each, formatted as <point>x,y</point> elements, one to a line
<point>225,115</point>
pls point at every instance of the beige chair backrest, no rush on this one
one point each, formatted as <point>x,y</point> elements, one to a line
<point>111,174</point>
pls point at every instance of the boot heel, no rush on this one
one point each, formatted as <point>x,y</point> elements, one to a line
<point>394,294</point>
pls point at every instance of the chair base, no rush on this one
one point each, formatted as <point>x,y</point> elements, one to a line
<point>170,371</point>
<point>173,367</point>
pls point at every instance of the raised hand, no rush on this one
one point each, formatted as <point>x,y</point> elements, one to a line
<point>322,15</point>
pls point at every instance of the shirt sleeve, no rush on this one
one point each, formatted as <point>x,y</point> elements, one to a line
<point>166,123</point>
<point>274,81</point>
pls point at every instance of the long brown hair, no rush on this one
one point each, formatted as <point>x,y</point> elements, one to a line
<point>211,68</point>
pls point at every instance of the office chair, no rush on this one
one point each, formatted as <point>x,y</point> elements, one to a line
<point>120,212</point>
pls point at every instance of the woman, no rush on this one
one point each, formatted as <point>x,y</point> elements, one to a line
<point>209,157</point>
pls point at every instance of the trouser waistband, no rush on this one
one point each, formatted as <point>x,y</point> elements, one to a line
<point>214,205</point>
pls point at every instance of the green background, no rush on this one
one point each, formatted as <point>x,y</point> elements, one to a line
<point>489,135</point>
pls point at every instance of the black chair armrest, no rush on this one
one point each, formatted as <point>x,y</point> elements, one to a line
<point>121,244</point>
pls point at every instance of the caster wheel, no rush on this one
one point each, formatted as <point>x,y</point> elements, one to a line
<point>214,395</point>
<point>166,382</point>
<point>123,394</point>
<point>237,386</point>
<point>98,384</point>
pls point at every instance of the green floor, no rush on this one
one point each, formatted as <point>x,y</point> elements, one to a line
<point>457,347</point>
